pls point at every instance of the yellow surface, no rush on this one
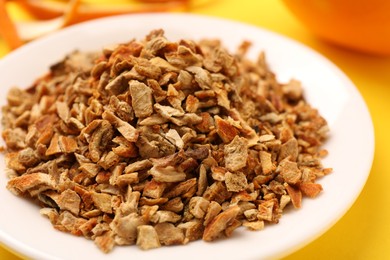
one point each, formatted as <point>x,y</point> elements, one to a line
<point>364,232</point>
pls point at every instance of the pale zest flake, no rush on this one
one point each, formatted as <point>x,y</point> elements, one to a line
<point>156,143</point>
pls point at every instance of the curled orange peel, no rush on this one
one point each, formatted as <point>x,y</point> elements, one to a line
<point>86,11</point>
<point>8,29</point>
<point>53,16</point>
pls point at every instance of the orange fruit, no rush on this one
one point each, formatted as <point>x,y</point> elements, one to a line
<point>358,24</point>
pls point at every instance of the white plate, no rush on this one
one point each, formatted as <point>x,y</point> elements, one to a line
<point>351,143</point>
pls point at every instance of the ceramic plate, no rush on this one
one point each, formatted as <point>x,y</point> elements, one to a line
<point>351,142</point>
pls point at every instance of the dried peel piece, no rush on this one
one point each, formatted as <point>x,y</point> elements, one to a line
<point>153,142</point>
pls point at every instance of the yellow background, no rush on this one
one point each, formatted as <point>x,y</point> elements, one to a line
<point>364,232</point>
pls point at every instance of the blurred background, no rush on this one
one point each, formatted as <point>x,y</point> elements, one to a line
<point>353,34</point>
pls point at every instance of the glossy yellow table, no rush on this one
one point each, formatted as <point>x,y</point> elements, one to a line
<point>364,232</point>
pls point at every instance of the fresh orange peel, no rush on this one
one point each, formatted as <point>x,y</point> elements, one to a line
<point>7,28</point>
<point>52,16</point>
<point>86,11</point>
<point>28,31</point>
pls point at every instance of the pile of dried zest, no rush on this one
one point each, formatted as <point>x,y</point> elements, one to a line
<point>159,143</point>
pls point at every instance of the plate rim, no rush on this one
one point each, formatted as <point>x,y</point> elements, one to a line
<point>31,252</point>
